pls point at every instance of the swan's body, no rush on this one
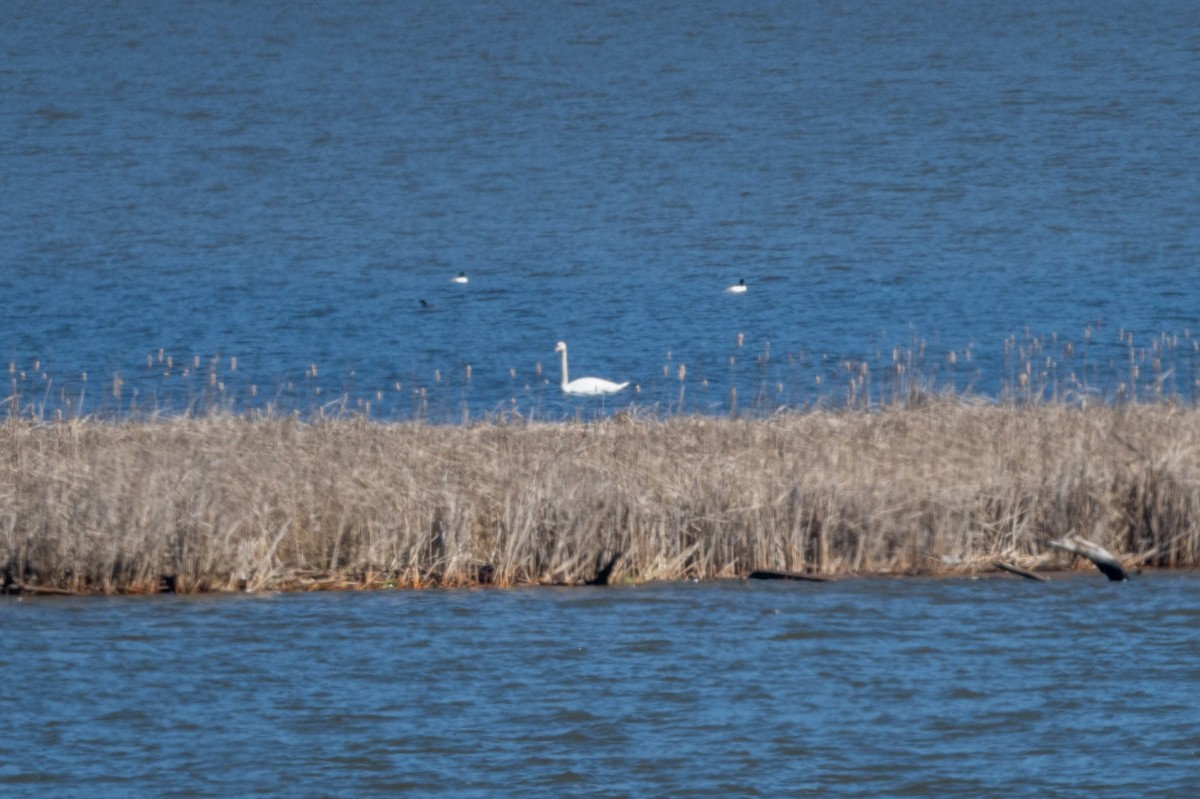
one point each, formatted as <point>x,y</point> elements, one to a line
<point>737,288</point>
<point>585,386</point>
<point>461,277</point>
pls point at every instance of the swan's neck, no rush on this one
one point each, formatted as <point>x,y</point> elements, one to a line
<point>565,379</point>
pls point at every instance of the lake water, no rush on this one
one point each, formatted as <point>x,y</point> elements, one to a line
<point>261,204</point>
<point>865,688</point>
<point>965,189</point>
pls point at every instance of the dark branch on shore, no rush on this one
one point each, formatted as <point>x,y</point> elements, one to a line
<point>605,570</point>
<point>770,574</point>
<point>1017,570</point>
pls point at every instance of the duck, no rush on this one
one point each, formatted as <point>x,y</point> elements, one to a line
<point>737,288</point>
<point>461,277</point>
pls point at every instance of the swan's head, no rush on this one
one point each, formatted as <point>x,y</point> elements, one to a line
<point>560,346</point>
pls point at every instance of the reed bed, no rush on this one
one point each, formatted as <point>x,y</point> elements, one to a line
<point>224,502</point>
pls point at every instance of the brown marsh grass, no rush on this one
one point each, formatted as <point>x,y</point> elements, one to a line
<point>229,502</point>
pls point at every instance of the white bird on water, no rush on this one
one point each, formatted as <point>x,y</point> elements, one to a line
<point>585,386</point>
<point>737,288</point>
<point>461,277</point>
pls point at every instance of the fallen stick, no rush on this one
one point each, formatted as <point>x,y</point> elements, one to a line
<point>1008,567</point>
<point>26,588</point>
<point>768,574</point>
<point>1105,561</point>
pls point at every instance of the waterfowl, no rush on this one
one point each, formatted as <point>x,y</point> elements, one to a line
<point>585,386</point>
<point>461,277</point>
<point>737,288</point>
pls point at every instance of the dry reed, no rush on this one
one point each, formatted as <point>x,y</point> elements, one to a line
<point>229,502</point>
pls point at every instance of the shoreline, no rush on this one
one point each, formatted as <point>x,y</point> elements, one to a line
<point>942,487</point>
<point>348,584</point>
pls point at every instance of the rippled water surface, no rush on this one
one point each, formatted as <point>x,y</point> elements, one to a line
<point>867,688</point>
<point>284,184</point>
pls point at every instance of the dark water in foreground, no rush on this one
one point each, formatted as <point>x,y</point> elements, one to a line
<point>969,190</point>
<point>865,688</point>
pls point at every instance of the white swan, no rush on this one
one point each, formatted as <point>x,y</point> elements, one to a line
<point>585,386</point>
<point>461,277</point>
<point>737,288</point>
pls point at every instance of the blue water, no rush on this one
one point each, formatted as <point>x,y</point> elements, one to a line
<point>870,688</point>
<point>898,183</point>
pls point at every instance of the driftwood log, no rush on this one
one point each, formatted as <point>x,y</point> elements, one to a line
<point>769,574</point>
<point>34,590</point>
<point>1105,561</point>
<point>1013,569</point>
